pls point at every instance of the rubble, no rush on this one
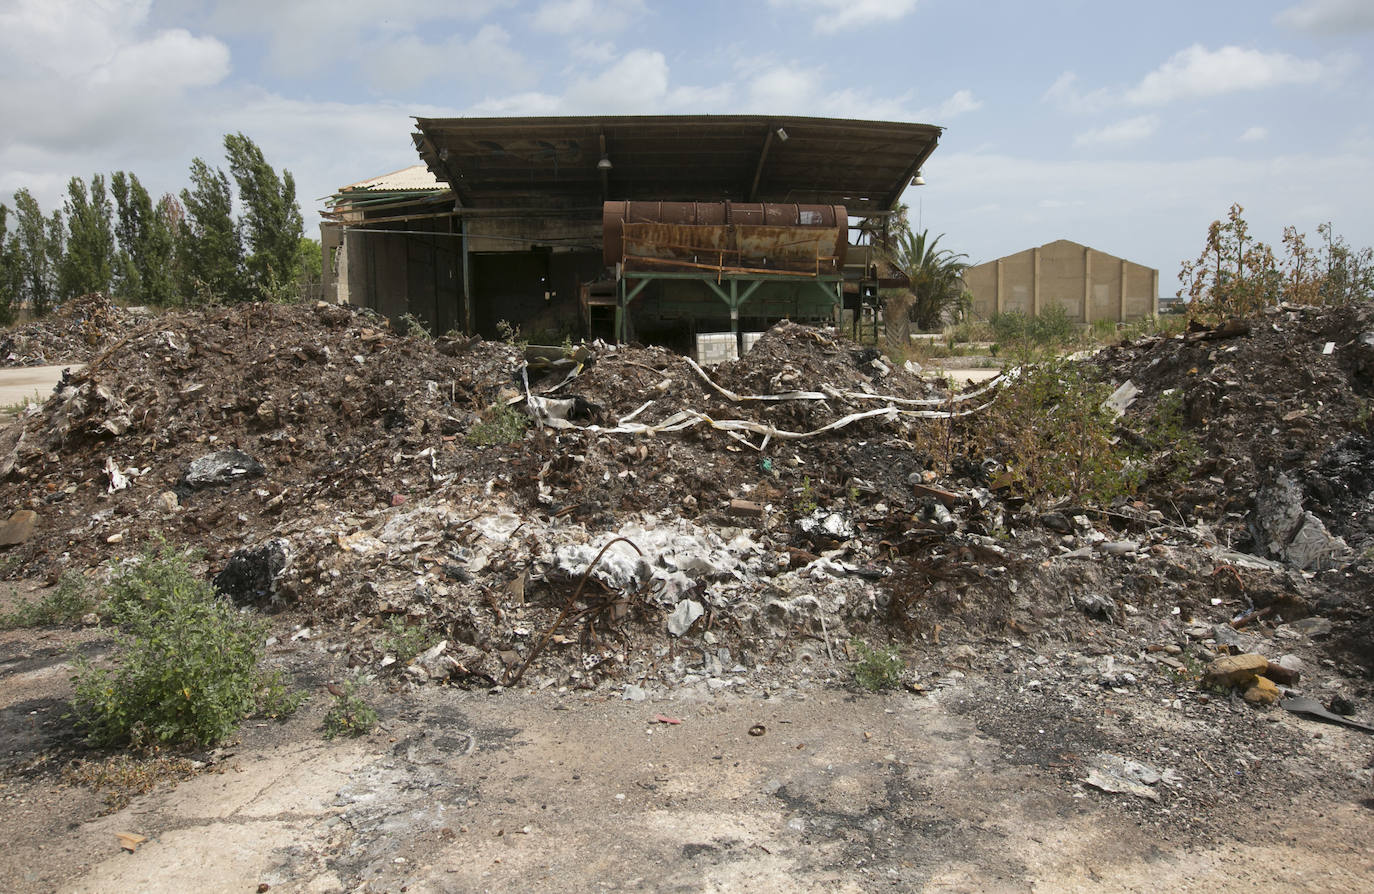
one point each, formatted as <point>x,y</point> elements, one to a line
<point>781,504</point>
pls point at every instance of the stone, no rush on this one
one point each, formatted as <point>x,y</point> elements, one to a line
<point>1056,522</point>
<point>633,693</point>
<point>1262,691</point>
<point>1118,547</point>
<point>1235,670</point>
<point>1098,605</point>
<point>221,467</point>
<point>435,662</point>
<point>1121,775</point>
<point>168,501</point>
<point>1313,626</point>
<point>746,508</point>
<point>19,527</point>
<point>684,616</point>
<point>1286,670</point>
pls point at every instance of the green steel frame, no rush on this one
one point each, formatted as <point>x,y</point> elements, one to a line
<point>734,296</point>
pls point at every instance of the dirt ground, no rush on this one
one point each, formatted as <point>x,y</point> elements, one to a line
<point>644,610</point>
<point>465,791</point>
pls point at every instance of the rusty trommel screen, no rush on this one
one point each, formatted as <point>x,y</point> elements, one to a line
<point>726,236</point>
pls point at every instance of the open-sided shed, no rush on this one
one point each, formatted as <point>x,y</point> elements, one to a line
<point>524,210</point>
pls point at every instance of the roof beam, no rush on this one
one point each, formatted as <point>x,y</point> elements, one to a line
<point>758,169</point>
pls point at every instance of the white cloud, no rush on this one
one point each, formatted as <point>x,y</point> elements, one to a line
<point>1198,71</point>
<point>1329,16</point>
<point>1066,94</point>
<point>408,61</point>
<point>1255,134</point>
<point>306,37</point>
<point>959,103</point>
<point>582,16</point>
<point>80,73</point>
<point>594,52</point>
<point>638,83</point>
<point>992,205</point>
<point>838,15</point>
<point>785,90</point>
<point>1122,133</point>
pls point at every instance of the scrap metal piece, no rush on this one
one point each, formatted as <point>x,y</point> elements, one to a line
<point>1301,704</point>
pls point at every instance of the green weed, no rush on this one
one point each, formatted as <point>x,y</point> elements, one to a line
<point>71,600</point>
<point>876,669</point>
<point>500,424</point>
<point>404,640</point>
<point>350,715</point>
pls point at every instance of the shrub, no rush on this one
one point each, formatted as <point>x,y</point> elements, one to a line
<point>70,601</point>
<point>876,669</point>
<point>350,715</point>
<point>184,664</point>
<point>1050,429</point>
<point>500,425</point>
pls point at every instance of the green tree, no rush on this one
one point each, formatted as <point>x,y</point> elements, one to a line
<point>34,245</point>
<point>87,264</point>
<point>9,270</point>
<point>310,263</point>
<point>211,246</point>
<point>271,219</point>
<point>935,273</point>
<point>147,242</point>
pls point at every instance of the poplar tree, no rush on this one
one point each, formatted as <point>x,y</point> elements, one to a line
<point>211,246</point>
<point>145,271</point>
<point>87,263</point>
<point>271,221</point>
<point>36,243</point>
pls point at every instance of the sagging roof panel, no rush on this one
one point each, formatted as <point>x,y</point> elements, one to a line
<point>553,162</point>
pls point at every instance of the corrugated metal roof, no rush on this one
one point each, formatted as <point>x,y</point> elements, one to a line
<point>415,178</point>
<point>557,162</point>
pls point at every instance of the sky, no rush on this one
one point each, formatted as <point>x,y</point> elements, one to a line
<point>1127,127</point>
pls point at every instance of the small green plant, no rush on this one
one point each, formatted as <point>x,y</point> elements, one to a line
<point>510,334</point>
<point>806,503</point>
<point>1170,449</point>
<point>500,424</point>
<point>415,327</point>
<point>276,698</point>
<point>876,669</point>
<point>404,640</point>
<point>71,600</point>
<point>350,714</point>
<point>184,663</point>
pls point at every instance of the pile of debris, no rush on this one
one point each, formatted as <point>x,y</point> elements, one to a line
<point>662,524</point>
<point>73,333</point>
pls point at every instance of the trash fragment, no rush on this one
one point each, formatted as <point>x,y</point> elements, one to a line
<point>250,576</point>
<point>670,721</point>
<point>130,841</point>
<point>1301,704</point>
<point>684,616</point>
<point>221,467</point>
<point>757,730</point>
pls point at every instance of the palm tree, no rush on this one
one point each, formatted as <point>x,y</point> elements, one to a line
<point>935,274</point>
